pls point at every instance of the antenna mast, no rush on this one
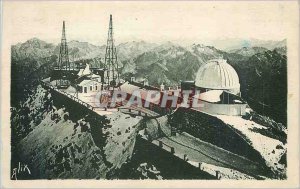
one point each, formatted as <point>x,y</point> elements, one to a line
<point>63,60</point>
<point>111,64</point>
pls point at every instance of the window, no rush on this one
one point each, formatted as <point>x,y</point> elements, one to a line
<point>96,87</point>
<point>91,88</point>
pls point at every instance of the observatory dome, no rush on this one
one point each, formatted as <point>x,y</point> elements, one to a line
<point>218,74</point>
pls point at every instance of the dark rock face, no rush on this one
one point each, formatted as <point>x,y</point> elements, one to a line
<point>263,79</point>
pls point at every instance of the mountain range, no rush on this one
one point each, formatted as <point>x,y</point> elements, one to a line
<point>35,48</point>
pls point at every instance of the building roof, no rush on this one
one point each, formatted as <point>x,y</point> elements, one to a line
<point>80,72</point>
<point>84,82</point>
<point>217,74</point>
<point>211,96</point>
<point>85,71</point>
<point>219,97</point>
<point>94,76</point>
<point>87,82</point>
<point>71,89</point>
<point>129,88</point>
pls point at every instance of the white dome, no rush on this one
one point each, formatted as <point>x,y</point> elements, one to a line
<point>218,74</point>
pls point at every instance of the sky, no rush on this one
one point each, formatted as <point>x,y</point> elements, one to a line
<point>182,22</point>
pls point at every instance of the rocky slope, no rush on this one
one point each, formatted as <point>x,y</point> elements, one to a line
<point>56,142</point>
<point>83,50</point>
<point>263,79</point>
<point>33,49</point>
<point>130,50</point>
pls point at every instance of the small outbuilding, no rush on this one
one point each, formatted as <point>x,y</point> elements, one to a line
<point>87,86</point>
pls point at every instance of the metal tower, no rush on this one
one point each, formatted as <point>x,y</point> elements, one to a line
<point>111,64</point>
<point>63,62</point>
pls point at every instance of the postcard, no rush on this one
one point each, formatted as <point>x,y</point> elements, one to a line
<point>150,94</point>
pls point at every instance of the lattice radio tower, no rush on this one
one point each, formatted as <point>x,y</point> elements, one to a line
<point>63,60</point>
<point>111,64</point>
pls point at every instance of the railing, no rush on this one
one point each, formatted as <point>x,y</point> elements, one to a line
<point>161,144</point>
<point>76,99</point>
<point>147,112</point>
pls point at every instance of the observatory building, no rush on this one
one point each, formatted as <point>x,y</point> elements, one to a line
<point>217,74</point>
<point>219,88</point>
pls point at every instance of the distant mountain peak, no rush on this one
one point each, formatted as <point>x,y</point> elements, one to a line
<point>201,46</point>
<point>134,42</point>
<point>36,42</point>
<point>74,41</point>
<point>249,51</point>
<point>168,45</point>
<point>203,50</point>
<point>198,45</point>
<point>78,42</point>
<point>34,39</point>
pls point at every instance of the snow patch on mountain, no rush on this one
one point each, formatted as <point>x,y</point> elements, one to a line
<point>271,149</point>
